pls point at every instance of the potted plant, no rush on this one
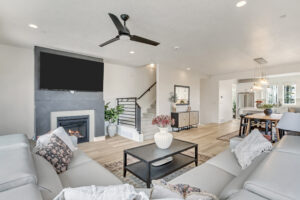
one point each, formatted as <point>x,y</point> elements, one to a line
<point>268,109</point>
<point>163,138</point>
<point>234,109</point>
<point>173,100</point>
<point>111,115</point>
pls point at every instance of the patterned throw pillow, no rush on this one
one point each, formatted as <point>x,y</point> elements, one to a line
<point>162,189</point>
<point>57,153</point>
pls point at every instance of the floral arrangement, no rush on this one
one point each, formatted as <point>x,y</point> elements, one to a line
<point>162,121</point>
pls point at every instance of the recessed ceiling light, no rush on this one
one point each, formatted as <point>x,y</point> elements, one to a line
<point>241,4</point>
<point>176,47</point>
<point>188,68</point>
<point>33,26</point>
<point>152,65</point>
<point>131,52</point>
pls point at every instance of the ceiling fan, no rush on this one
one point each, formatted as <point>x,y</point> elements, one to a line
<point>124,32</point>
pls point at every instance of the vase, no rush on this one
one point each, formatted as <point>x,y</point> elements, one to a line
<point>163,139</point>
<point>112,130</point>
<point>268,112</point>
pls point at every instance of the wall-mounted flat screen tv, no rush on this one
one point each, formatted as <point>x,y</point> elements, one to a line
<point>59,72</point>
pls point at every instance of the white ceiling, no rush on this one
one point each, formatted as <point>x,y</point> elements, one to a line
<point>214,36</point>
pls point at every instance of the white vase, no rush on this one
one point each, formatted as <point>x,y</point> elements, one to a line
<point>112,130</point>
<point>163,138</point>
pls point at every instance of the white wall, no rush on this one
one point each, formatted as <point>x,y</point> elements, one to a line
<point>225,100</point>
<point>167,78</point>
<point>122,81</point>
<point>209,89</point>
<point>16,90</point>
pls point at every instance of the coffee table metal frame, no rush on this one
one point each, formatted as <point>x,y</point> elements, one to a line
<point>144,170</point>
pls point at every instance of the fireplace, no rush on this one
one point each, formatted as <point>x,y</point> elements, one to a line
<point>76,125</point>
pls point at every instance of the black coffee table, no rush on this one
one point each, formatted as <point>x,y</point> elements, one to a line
<point>150,153</point>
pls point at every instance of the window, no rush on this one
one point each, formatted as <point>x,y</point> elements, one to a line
<point>289,94</point>
<point>272,94</point>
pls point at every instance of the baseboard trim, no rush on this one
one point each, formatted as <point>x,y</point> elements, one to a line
<point>101,138</point>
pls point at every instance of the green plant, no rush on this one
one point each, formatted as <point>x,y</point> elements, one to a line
<point>234,108</point>
<point>267,106</point>
<point>173,97</point>
<point>112,114</point>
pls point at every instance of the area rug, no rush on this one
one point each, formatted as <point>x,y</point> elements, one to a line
<point>117,169</point>
<point>228,136</point>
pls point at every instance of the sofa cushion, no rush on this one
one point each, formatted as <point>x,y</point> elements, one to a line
<point>226,161</point>
<point>48,180</point>
<point>79,157</point>
<point>25,192</point>
<point>290,144</point>
<point>277,177</point>
<point>208,177</point>
<point>246,195</point>
<point>88,173</point>
<point>16,168</point>
<point>13,140</point>
<point>237,183</point>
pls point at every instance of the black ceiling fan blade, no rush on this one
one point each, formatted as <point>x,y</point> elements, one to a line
<point>117,23</point>
<point>110,41</point>
<point>143,40</point>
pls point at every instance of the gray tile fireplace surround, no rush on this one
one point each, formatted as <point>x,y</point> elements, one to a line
<point>47,101</point>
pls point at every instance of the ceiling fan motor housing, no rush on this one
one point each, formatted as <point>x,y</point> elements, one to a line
<point>125,17</point>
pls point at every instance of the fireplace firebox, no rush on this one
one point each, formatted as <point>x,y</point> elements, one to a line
<point>76,125</point>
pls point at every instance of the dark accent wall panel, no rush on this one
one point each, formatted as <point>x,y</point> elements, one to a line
<point>47,101</point>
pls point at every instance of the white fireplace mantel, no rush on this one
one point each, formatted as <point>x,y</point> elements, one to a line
<point>90,113</point>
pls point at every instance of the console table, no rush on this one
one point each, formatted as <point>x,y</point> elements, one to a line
<point>185,120</point>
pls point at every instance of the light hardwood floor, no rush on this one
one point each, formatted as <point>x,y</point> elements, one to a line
<point>205,136</point>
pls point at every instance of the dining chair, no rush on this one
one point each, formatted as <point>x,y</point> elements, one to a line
<point>243,124</point>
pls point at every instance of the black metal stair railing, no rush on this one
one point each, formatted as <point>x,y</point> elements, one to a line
<point>132,112</point>
<point>132,115</point>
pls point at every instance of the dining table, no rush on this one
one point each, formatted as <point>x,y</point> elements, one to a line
<point>273,118</point>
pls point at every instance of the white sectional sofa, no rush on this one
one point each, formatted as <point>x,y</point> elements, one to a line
<point>27,176</point>
<point>274,175</point>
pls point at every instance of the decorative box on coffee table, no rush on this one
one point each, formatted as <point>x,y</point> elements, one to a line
<point>150,153</point>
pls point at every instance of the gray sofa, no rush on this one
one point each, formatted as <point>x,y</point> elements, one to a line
<point>27,176</point>
<point>273,175</point>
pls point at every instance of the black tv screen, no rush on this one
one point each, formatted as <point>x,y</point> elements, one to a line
<point>59,72</point>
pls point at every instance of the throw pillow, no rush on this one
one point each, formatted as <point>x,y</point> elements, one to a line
<point>57,153</point>
<point>43,140</point>
<point>251,147</point>
<point>60,132</point>
<point>164,190</point>
<point>63,135</point>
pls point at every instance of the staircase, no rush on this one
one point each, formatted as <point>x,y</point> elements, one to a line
<point>148,130</point>
<point>132,123</point>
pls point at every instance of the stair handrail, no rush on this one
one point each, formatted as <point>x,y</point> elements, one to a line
<point>148,90</point>
<point>138,110</point>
